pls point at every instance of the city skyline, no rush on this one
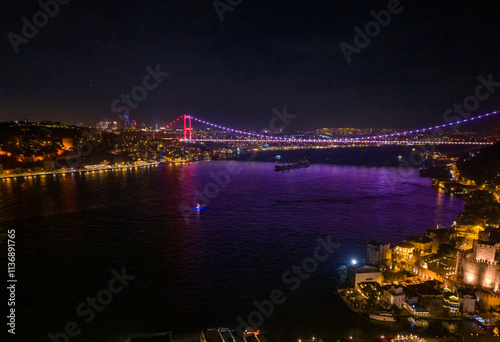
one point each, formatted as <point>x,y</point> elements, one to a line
<point>279,122</point>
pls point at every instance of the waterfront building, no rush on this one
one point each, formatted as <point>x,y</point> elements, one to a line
<point>366,274</point>
<point>457,188</point>
<point>417,310</point>
<point>451,302</point>
<point>394,295</point>
<point>425,294</point>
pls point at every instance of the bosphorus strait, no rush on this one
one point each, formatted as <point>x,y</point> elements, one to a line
<point>76,229</point>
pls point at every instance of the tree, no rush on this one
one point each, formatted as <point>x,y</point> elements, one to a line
<point>395,310</point>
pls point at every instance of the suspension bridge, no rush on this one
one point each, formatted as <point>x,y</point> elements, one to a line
<point>237,135</point>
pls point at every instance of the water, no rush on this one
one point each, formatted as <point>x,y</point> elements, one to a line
<point>73,230</point>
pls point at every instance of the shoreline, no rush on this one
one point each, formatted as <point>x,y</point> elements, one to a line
<point>90,169</point>
<point>340,291</point>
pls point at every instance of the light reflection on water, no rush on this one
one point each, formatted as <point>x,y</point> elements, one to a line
<point>73,230</point>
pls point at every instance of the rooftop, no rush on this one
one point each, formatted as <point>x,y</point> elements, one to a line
<point>425,289</point>
<point>440,231</point>
<point>419,308</point>
<point>367,269</point>
<point>466,291</point>
<point>405,245</point>
<point>489,243</point>
<point>418,239</point>
<point>394,289</point>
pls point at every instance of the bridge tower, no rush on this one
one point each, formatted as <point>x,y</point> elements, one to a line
<point>187,128</point>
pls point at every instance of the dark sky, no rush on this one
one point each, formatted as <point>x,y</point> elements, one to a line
<point>264,55</point>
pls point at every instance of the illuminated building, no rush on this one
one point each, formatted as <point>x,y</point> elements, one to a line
<point>451,302</point>
<point>416,310</point>
<point>404,250</point>
<point>479,266</point>
<point>421,243</point>
<point>394,295</point>
<point>367,274</point>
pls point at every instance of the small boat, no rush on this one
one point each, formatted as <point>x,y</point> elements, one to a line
<point>383,316</point>
<point>289,166</point>
<point>199,207</point>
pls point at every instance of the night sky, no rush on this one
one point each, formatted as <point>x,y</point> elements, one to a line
<point>263,55</point>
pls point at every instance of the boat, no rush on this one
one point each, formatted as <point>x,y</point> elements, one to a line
<point>199,206</point>
<point>383,316</point>
<point>289,166</point>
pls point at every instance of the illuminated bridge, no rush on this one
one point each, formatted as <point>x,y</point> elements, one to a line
<point>384,139</point>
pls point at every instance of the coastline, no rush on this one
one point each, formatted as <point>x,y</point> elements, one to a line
<point>446,321</point>
<point>88,169</point>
